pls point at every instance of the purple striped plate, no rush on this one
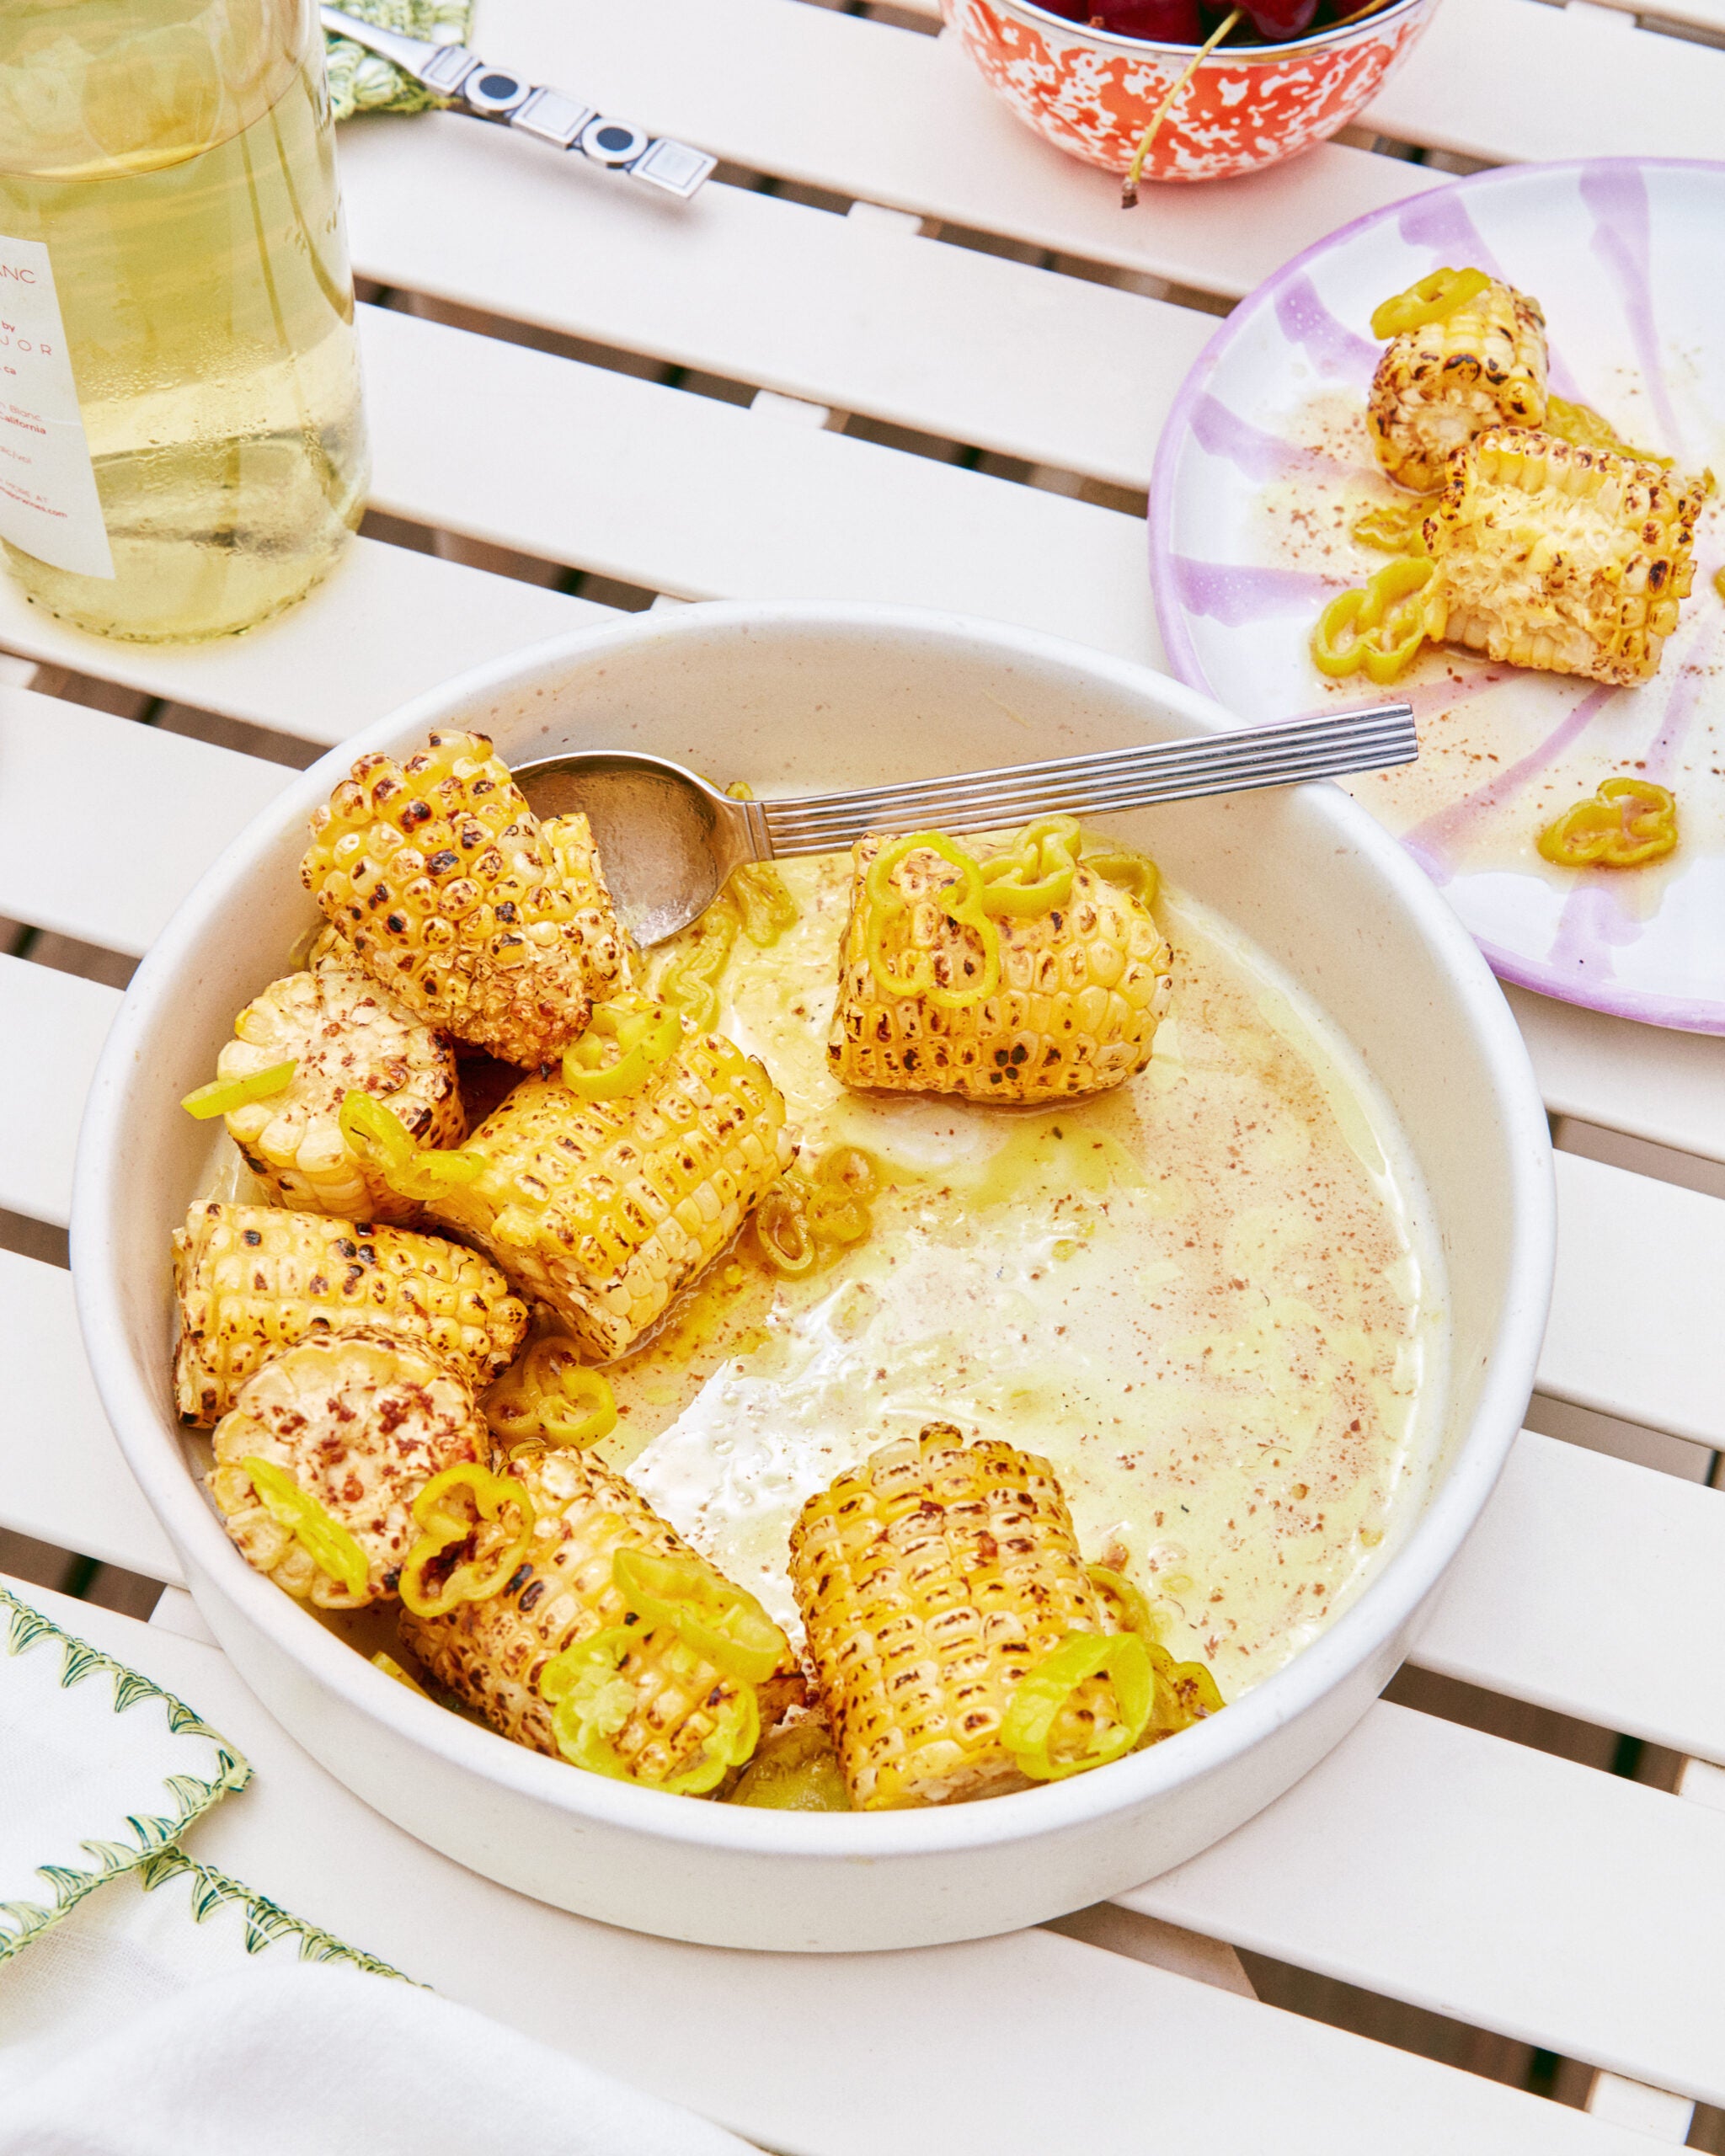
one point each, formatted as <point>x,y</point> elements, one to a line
<point>1264,464</point>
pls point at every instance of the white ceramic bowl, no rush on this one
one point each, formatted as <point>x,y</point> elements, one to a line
<point>812,696</point>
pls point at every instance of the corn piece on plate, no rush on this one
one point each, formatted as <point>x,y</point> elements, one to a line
<point>1266,464</point>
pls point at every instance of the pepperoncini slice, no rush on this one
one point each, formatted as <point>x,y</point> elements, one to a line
<point>885,904</point>
<point>723,1624</point>
<point>222,1095</point>
<point>590,1700</point>
<point>1377,630</point>
<point>449,1525</point>
<point>324,1540</point>
<point>689,981</point>
<point>1719,581</point>
<point>1395,527</point>
<point>780,1227</point>
<point>760,892</point>
<point>795,1770</point>
<point>391,1668</point>
<point>803,1209</point>
<point>1427,299</point>
<point>1035,875</point>
<point>1028,1727</point>
<point>1135,872</point>
<point>1185,1693</point>
<point>378,1137</point>
<point>1583,426</point>
<point>549,1396</point>
<point>1626,823</point>
<point>642,1034</point>
<point>1133,1610</point>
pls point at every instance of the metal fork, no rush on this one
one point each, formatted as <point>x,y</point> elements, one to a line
<point>669,840</point>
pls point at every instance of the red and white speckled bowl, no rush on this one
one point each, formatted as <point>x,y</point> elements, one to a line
<point>1093,94</point>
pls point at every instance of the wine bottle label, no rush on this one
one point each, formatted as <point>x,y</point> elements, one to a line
<point>48,502</point>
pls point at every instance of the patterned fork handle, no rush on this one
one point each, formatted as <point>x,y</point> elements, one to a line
<point>1283,753</point>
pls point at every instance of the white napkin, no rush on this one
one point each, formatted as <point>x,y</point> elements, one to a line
<point>151,2006</point>
<point>286,2056</point>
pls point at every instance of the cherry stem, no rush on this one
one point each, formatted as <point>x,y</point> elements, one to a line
<point>1128,192</point>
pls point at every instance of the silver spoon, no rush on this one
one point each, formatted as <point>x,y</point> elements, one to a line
<point>669,840</point>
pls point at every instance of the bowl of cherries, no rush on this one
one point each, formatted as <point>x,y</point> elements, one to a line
<point>1186,89</point>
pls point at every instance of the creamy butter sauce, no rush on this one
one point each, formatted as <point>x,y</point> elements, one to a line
<point>1210,1298</point>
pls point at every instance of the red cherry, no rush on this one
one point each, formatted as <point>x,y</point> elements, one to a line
<point>1278,20</point>
<point>1161,22</point>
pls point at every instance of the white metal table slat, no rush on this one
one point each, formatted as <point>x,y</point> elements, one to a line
<point>1557,1904</point>
<point>1645,1080</point>
<point>894,117</point>
<point>705,500</point>
<point>1513,79</point>
<point>387,625</point>
<point>843,311</point>
<point>170,804</point>
<point>52,1026</point>
<point>1594,1587</point>
<point>1636,1312</point>
<point>62,1478</point>
<point>1023,2044</point>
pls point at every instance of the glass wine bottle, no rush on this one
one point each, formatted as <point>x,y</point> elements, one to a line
<point>182,448</point>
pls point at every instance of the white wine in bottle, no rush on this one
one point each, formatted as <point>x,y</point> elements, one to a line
<point>182,449</point>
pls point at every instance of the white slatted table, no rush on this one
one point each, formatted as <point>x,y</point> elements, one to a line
<point>904,351</point>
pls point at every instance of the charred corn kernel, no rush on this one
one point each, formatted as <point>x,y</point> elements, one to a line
<point>437,874</point>
<point>608,953</point>
<point>344,1032</point>
<point>795,1770</point>
<point>1626,824</point>
<point>356,1423</point>
<point>1080,987</point>
<point>932,1581</point>
<point>604,1209</point>
<point>1570,560</point>
<point>1441,382</point>
<point>253,1279</point>
<point>676,1706</point>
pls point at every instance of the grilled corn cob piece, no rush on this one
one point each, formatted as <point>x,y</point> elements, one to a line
<point>932,1579</point>
<point>1081,989</point>
<point>253,1279</point>
<point>1439,385</point>
<point>608,949</point>
<point>492,1653</point>
<point>436,872</point>
<point>606,1208</point>
<point>341,1030</point>
<point>1569,560</point>
<point>359,1422</point>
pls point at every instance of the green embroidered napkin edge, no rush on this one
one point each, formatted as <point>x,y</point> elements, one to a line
<point>26,1628</point>
<point>364,81</point>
